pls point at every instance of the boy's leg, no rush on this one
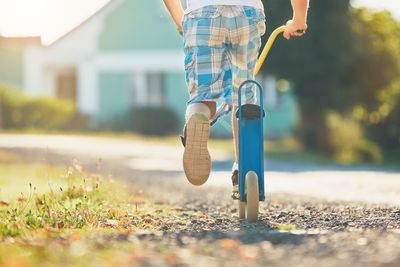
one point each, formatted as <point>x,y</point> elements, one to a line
<point>197,108</point>
<point>207,108</point>
<point>205,72</point>
<point>212,107</point>
<point>246,42</point>
<point>235,133</point>
<point>235,168</point>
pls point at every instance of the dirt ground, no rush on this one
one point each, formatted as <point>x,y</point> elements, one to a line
<point>294,229</point>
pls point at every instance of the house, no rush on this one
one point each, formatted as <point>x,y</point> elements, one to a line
<point>12,57</point>
<point>126,55</point>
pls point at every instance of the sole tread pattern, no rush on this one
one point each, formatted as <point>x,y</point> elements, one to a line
<point>196,158</point>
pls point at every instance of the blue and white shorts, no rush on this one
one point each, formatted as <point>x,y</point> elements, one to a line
<point>221,45</point>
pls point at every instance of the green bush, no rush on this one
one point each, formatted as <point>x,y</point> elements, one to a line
<point>18,111</point>
<point>153,121</point>
<point>347,142</point>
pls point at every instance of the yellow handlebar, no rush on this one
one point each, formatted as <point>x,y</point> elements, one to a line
<point>267,47</point>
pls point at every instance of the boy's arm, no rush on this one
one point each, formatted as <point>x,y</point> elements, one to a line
<point>298,25</point>
<point>176,11</point>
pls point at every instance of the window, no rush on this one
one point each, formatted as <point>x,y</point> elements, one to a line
<point>148,89</point>
<point>155,89</point>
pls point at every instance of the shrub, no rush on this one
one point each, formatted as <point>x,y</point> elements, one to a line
<point>45,113</point>
<point>18,111</point>
<point>153,120</point>
<point>10,101</point>
<point>347,142</point>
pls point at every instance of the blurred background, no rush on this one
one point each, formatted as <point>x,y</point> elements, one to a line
<point>117,66</point>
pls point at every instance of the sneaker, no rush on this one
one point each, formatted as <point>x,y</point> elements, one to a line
<point>235,185</point>
<point>196,158</point>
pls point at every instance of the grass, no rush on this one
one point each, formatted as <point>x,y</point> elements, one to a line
<point>14,177</point>
<point>57,216</point>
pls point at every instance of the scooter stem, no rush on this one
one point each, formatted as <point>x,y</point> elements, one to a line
<point>267,47</point>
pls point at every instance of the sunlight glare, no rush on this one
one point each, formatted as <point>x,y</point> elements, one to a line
<point>21,17</point>
<point>49,19</point>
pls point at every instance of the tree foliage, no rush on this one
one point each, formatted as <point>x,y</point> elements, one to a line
<point>319,62</point>
<point>348,62</point>
<point>377,75</point>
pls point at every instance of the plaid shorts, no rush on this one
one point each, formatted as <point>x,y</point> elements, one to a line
<point>221,45</point>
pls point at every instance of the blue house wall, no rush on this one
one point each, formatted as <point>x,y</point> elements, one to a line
<point>139,26</point>
<point>145,27</point>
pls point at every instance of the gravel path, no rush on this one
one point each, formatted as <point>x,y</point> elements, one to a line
<point>291,231</point>
<point>296,228</point>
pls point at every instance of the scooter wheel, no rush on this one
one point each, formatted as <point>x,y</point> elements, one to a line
<point>242,210</point>
<point>252,196</point>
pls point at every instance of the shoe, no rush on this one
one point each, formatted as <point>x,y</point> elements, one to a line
<point>235,185</point>
<point>196,158</point>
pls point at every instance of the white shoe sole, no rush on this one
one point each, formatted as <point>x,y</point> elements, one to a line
<point>196,158</point>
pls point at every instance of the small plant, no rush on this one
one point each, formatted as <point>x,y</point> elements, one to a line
<point>84,212</point>
<point>82,202</point>
<point>19,111</point>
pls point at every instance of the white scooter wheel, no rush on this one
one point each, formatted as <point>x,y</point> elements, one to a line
<point>252,196</point>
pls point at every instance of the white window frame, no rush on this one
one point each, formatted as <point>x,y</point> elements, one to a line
<point>144,92</point>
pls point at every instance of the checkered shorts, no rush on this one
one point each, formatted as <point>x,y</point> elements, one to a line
<point>221,46</point>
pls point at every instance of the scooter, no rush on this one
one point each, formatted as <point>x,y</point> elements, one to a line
<point>251,143</point>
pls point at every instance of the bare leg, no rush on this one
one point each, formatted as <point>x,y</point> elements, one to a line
<point>235,176</point>
<point>235,133</point>
<point>212,106</point>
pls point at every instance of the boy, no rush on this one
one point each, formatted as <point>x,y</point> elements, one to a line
<point>222,39</point>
